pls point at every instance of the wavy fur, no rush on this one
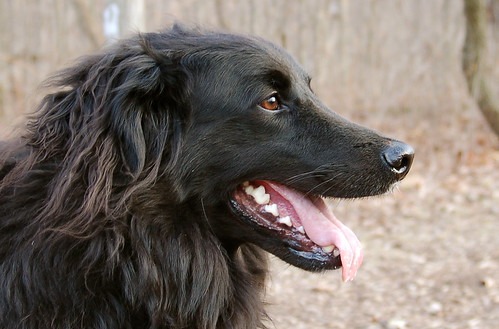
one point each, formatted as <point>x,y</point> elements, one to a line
<point>95,230</point>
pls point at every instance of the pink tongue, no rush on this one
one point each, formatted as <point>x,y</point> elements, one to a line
<point>324,229</point>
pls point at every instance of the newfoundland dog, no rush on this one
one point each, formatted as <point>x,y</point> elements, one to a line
<point>148,186</point>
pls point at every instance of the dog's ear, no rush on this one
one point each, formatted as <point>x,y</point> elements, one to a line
<point>127,104</point>
<point>145,100</point>
<point>114,119</point>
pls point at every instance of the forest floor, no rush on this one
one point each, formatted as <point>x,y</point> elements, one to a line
<point>431,247</point>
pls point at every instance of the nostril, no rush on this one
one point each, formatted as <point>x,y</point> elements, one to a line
<point>399,158</point>
<point>398,163</point>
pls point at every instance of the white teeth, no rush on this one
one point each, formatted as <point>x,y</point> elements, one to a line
<point>336,252</point>
<point>258,194</point>
<point>328,249</point>
<point>249,189</point>
<point>260,190</point>
<point>333,249</point>
<point>285,220</point>
<point>301,229</point>
<point>272,208</point>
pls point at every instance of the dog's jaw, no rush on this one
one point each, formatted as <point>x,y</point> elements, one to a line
<point>302,223</point>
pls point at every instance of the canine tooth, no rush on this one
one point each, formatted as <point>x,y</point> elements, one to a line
<point>246,184</point>
<point>301,229</point>
<point>260,196</point>
<point>285,220</point>
<point>272,208</point>
<point>260,189</point>
<point>328,249</point>
<point>262,199</point>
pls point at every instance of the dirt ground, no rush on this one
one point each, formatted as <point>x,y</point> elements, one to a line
<point>431,247</point>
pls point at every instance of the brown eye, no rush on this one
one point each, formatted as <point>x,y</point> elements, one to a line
<point>272,103</point>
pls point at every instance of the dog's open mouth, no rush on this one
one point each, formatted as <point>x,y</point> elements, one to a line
<point>303,222</point>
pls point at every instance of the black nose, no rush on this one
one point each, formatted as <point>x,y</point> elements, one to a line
<point>398,157</point>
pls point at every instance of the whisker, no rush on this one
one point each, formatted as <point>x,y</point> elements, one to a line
<point>315,173</point>
<point>352,180</point>
<point>327,181</point>
<point>303,176</point>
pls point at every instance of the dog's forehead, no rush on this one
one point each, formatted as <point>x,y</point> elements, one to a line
<point>274,57</point>
<point>253,55</point>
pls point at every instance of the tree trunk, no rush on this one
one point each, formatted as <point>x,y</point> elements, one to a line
<point>474,61</point>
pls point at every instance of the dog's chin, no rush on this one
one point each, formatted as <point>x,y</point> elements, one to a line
<point>300,229</point>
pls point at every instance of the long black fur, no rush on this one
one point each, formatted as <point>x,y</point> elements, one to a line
<point>114,202</point>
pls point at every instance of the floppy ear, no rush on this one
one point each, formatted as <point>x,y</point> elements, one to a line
<point>115,118</point>
<point>145,94</point>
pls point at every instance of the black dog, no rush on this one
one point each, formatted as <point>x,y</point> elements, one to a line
<point>143,191</point>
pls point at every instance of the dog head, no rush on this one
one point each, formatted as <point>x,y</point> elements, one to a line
<point>260,142</point>
<point>230,124</point>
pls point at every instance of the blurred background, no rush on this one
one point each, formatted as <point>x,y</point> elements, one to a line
<point>426,72</point>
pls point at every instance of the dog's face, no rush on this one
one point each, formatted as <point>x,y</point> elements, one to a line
<point>261,151</point>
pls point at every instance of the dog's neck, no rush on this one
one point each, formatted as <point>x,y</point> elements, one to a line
<point>201,281</point>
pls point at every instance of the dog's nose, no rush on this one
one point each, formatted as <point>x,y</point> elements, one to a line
<point>398,157</point>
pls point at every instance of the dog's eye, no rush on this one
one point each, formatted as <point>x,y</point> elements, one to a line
<point>272,103</point>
